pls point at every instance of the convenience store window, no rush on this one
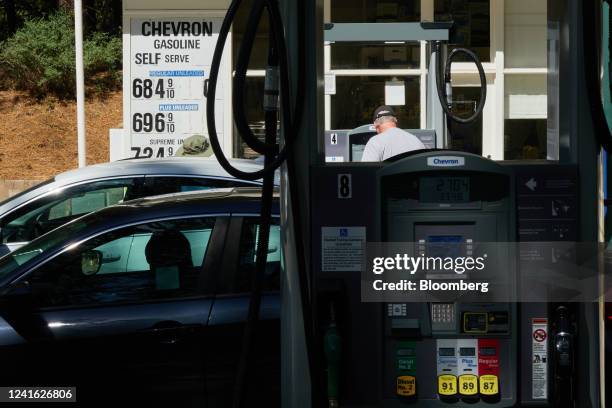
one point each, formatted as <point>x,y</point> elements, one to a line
<point>259,54</point>
<point>254,86</point>
<point>525,139</point>
<point>396,55</point>
<point>471,24</point>
<point>357,97</point>
<point>525,122</point>
<point>375,11</point>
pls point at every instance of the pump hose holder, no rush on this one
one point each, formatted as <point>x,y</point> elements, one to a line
<point>444,89</point>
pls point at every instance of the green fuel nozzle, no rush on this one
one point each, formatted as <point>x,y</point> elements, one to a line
<point>332,344</point>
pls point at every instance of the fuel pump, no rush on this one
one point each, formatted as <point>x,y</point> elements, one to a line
<point>425,353</point>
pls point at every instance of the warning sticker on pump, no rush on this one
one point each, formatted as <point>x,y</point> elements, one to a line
<point>343,248</point>
<point>539,358</point>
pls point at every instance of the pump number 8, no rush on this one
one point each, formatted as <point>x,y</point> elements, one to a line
<point>345,186</point>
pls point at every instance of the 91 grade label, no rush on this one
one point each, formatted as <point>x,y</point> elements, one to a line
<point>447,385</point>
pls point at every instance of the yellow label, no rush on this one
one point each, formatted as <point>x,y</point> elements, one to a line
<point>406,385</point>
<point>489,385</point>
<point>447,384</point>
<point>468,384</point>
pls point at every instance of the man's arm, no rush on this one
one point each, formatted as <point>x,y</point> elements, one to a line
<point>371,152</point>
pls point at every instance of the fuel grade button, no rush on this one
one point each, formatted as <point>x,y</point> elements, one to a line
<point>447,385</point>
<point>406,386</point>
<point>468,385</point>
<point>489,385</point>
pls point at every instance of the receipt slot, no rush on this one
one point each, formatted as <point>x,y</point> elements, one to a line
<point>446,204</point>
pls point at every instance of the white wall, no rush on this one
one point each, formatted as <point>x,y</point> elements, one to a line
<point>525,97</point>
<point>525,36</point>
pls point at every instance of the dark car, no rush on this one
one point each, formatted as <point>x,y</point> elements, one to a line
<point>145,302</point>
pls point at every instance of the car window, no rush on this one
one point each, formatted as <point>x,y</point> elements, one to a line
<point>247,256</point>
<point>169,185</point>
<point>27,191</point>
<point>156,260</point>
<point>53,210</point>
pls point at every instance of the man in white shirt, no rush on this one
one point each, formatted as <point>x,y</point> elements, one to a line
<point>390,140</point>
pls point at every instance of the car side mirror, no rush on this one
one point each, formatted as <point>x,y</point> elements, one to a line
<point>91,262</point>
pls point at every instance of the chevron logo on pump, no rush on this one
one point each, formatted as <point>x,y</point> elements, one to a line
<point>446,161</point>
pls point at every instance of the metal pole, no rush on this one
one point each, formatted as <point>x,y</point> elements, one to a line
<point>80,81</point>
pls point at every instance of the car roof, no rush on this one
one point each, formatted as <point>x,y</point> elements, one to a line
<point>180,166</point>
<point>207,166</point>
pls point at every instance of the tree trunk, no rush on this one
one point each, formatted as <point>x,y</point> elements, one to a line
<point>66,5</point>
<point>90,22</point>
<point>11,16</point>
<point>118,16</point>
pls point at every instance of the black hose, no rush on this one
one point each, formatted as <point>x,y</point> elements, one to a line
<point>591,58</point>
<point>442,94</point>
<point>210,105</point>
<point>291,120</point>
<point>261,258</point>
<point>242,63</point>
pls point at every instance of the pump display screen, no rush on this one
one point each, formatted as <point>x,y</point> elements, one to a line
<point>444,245</point>
<point>487,351</point>
<point>444,189</point>
<point>446,352</point>
<point>467,351</point>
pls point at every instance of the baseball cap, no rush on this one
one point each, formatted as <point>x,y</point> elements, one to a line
<point>383,110</point>
<point>196,145</point>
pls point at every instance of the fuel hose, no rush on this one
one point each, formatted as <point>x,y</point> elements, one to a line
<point>277,92</point>
<point>443,83</point>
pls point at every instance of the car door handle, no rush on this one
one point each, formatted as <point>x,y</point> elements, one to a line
<point>171,331</point>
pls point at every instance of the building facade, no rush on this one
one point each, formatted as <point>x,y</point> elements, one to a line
<point>509,36</point>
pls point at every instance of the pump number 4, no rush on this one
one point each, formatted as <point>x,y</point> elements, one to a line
<point>345,186</point>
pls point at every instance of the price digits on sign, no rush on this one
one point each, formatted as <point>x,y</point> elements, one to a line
<point>149,122</point>
<point>149,152</point>
<point>147,88</point>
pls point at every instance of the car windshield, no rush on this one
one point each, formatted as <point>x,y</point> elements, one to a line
<point>12,261</point>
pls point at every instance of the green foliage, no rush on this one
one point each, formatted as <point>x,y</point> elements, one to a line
<point>40,58</point>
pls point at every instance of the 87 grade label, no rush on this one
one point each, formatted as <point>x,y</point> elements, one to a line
<point>170,61</point>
